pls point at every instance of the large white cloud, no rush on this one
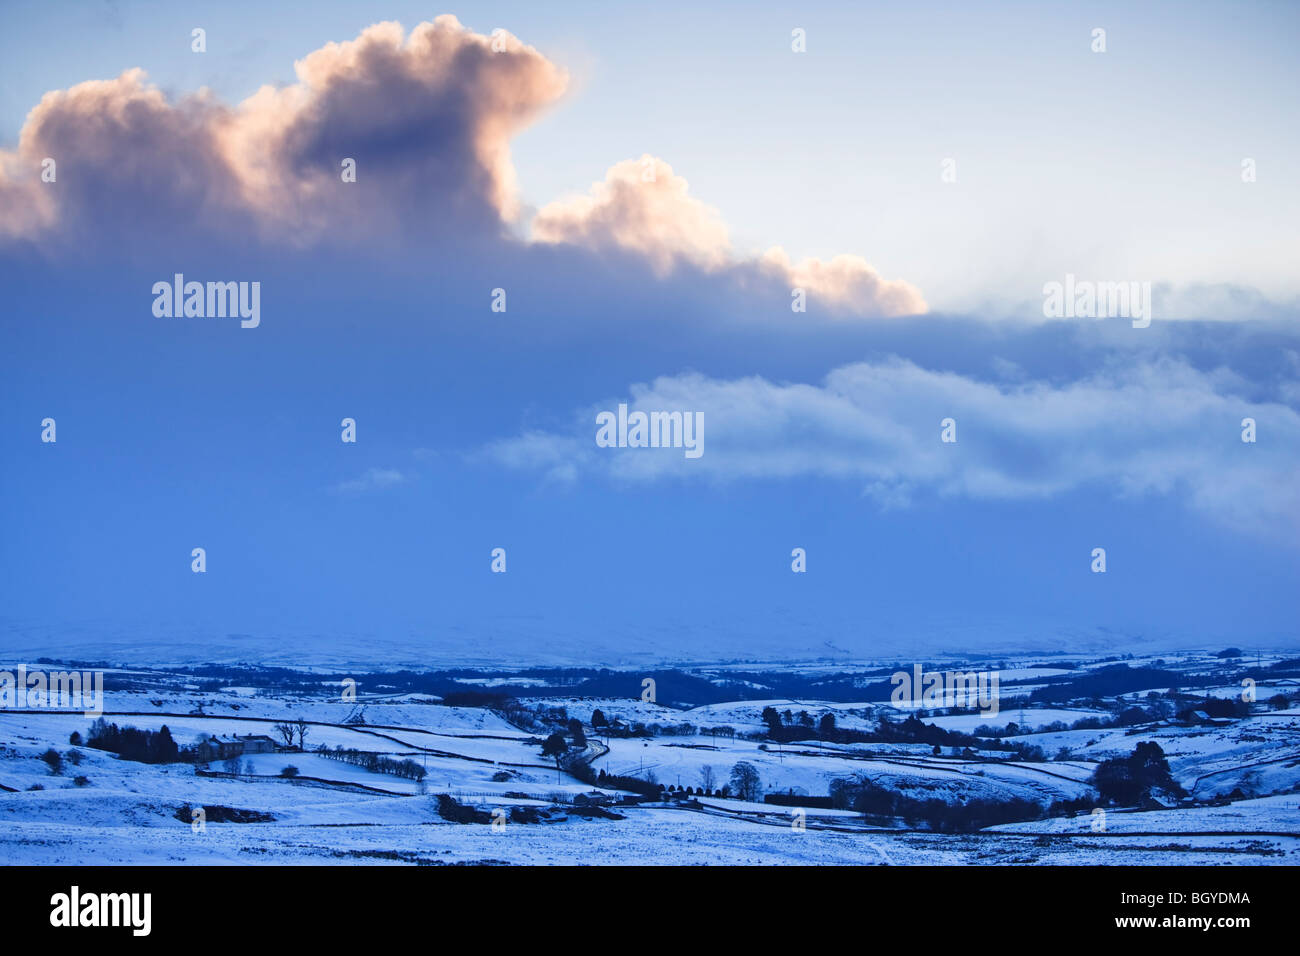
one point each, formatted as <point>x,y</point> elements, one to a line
<point>428,118</point>
<point>1157,427</point>
<point>643,206</point>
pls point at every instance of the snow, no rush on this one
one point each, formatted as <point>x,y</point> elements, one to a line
<point>126,812</point>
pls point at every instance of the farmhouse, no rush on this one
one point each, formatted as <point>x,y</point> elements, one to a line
<point>1203,718</point>
<point>225,748</point>
<point>258,744</point>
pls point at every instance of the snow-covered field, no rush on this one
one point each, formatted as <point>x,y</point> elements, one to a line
<point>1242,777</point>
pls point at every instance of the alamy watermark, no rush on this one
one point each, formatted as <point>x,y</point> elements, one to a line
<point>56,690</point>
<point>651,430</point>
<point>212,300</point>
<point>75,908</point>
<point>1083,299</point>
<point>946,689</point>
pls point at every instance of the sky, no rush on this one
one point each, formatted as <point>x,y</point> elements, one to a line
<point>649,189</point>
<point>1120,163</point>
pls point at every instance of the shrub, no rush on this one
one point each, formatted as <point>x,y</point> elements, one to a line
<point>54,759</point>
<point>455,812</point>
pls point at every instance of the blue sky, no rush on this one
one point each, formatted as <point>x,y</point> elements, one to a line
<point>822,428</point>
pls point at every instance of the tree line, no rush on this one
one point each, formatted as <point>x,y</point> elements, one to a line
<point>375,763</point>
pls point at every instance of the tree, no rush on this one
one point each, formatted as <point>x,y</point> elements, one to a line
<point>164,749</point>
<point>827,726</point>
<point>773,721</point>
<point>576,732</point>
<point>54,759</point>
<point>708,778</point>
<point>745,781</point>
<point>285,730</point>
<point>1137,777</point>
<point>555,746</point>
<point>289,771</point>
<point>75,739</point>
<point>598,719</point>
<point>302,729</point>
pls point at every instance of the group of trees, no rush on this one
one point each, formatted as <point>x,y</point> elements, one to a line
<point>1132,780</point>
<point>131,743</point>
<point>605,727</point>
<point>885,806</point>
<point>699,791</point>
<point>290,730</point>
<point>785,727</point>
<point>375,763</point>
<point>1136,779</point>
<point>648,788</point>
<point>788,725</point>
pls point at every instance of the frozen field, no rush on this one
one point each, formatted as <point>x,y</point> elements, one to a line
<point>1242,778</point>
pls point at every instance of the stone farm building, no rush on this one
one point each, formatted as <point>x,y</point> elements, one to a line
<point>226,748</point>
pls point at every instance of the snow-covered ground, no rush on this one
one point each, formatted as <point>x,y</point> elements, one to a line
<point>98,808</point>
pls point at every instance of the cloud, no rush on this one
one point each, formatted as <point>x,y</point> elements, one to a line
<point>644,207</point>
<point>1221,301</point>
<point>1157,427</point>
<point>428,119</point>
<point>848,283</point>
<point>374,479</point>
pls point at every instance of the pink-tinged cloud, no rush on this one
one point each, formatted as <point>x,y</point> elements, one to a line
<point>846,282</point>
<point>427,117</point>
<point>644,207</point>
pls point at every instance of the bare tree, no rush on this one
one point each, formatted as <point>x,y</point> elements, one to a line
<point>745,782</point>
<point>708,778</point>
<point>302,729</point>
<point>286,731</point>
